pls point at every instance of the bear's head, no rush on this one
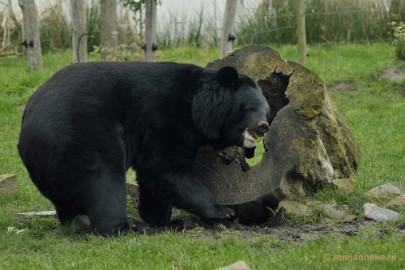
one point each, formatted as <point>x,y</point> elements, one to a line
<point>230,109</point>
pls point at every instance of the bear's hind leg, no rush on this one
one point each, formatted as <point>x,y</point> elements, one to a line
<point>153,210</point>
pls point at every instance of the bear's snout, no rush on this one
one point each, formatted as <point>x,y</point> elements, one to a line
<point>263,127</point>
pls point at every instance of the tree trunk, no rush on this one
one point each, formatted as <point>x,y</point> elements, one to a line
<point>58,24</point>
<point>309,144</point>
<point>301,34</point>
<point>108,29</point>
<point>150,31</point>
<point>31,34</point>
<point>229,20</point>
<point>5,24</point>
<point>79,29</point>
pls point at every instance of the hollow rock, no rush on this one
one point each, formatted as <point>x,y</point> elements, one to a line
<point>309,144</point>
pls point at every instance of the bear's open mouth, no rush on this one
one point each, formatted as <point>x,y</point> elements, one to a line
<point>249,139</point>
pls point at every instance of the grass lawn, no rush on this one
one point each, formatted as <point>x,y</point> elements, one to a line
<point>374,109</point>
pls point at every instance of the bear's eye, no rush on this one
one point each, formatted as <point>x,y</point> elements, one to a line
<point>251,109</point>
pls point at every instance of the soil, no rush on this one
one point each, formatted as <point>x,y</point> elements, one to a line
<point>278,228</point>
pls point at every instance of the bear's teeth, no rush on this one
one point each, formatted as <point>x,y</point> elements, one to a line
<point>249,141</point>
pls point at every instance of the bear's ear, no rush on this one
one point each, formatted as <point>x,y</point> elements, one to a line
<point>227,76</point>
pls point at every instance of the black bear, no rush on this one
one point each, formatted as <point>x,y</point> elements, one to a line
<point>89,123</point>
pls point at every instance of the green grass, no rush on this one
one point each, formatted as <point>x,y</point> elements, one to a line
<point>375,111</point>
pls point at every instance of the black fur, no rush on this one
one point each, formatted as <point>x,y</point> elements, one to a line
<point>84,128</point>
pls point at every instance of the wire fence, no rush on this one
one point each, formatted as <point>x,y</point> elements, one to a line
<point>327,21</point>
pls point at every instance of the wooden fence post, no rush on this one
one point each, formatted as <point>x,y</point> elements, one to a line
<point>31,34</point>
<point>150,31</point>
<point>229,20</point>
<point>79,31</point>
<point>108,29</point>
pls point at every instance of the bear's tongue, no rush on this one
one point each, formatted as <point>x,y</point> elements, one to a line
<point>248,139</point>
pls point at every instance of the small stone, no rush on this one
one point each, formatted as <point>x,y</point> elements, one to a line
<point>8,184</point>
<point>81,223</point>
<point>383,190</point>
<point>345,185</point>
<point>372,211</point>
<point>239,265</point>
<point>290,187</point>
<point>132,189</point>
<point>295,208</point>
<point>26,215</point>
<point>220,226</point>
<point>398,202</point>
<point>331,211</point>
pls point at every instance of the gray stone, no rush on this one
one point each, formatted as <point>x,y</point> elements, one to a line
<point>372,211</point>
<point>8,184</point>
<point>132,189</point>
<point>331,211</point>
<point>344,185</point>
<point>239,265</point>
<point>295,208</point>
<point>383,190</point>
<point>26,215</point>
<point>81,223</point>
<point>398,202</point>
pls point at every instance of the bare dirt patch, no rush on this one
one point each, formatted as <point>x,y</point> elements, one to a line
<point>342,86</point>
<point>284,229</point>
<point>393,74</point>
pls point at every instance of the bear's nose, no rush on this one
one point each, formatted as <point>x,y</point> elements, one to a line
<point>263,127</point>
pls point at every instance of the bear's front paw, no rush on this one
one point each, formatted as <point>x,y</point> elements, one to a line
<point>221,213</point>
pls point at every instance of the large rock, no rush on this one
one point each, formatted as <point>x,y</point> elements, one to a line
<point>309,143</point>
